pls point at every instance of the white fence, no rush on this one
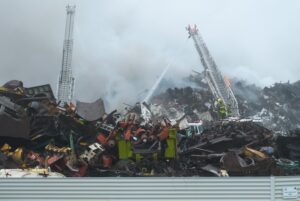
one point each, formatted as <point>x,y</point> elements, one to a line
<point>163,188</point>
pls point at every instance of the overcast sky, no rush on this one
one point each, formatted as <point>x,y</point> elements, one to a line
<point>121,46</point>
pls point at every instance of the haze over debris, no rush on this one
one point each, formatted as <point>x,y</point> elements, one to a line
<point>121,47</point>
<point>147,105</point>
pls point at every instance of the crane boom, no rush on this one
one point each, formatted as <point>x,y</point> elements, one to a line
<point>66,80</point>
<point>215,80</point>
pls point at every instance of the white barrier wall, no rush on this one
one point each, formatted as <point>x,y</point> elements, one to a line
<point>171,188</point>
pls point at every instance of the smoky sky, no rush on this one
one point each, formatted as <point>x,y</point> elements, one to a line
<point>121,46</point>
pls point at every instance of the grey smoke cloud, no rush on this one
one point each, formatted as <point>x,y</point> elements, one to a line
<point>121,46</point>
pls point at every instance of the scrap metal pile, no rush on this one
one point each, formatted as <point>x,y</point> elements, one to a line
<point>240,148</point>
<point>278,106</point>
<point>38,135</point>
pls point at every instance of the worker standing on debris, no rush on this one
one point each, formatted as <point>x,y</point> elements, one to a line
<point>221,108</point>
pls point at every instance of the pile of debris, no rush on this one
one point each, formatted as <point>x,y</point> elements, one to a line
<point>43,137</point>
<point>240,148</point>
<point>194,103</point>
<point>277,106</point>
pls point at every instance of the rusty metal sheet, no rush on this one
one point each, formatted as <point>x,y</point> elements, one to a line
<point>90,111</point>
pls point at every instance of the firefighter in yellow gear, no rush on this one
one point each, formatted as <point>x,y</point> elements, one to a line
<point>221,108</point>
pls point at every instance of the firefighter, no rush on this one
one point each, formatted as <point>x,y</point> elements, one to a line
<point>221,108</point>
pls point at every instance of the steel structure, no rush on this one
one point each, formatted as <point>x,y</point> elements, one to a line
<point>66,80</point>
<point>219,87</point>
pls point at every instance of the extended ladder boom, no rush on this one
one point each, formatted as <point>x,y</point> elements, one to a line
<point>214,78</point>
<point>66,80</point>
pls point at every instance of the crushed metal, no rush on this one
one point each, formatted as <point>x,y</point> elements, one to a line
<point>188,139</point>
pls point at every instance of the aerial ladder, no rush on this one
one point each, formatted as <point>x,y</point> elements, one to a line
<point>217,84</point>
